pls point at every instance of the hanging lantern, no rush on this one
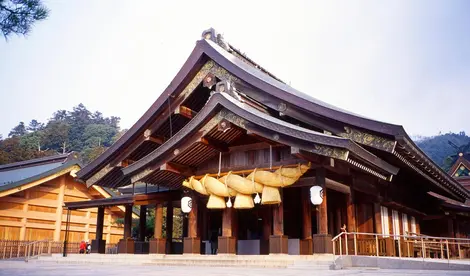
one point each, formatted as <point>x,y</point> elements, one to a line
<point>316,195</point>
<point>229,203</point>
<point>186,204</point>
<point>257,199</point>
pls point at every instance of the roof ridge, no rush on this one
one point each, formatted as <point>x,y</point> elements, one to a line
<point>35,161</point>
<point>218,38</point>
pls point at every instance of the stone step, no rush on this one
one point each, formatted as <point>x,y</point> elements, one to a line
<point>221,263</point>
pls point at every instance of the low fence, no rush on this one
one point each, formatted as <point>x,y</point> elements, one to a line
<point>411,246</point>
<point>10,249</point>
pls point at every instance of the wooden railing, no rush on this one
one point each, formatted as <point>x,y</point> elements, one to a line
<point>37,248</point>
<point>419,246</point>
<point>10,249</point>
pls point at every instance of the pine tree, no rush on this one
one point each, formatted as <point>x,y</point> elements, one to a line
<point>17,16</point>
<point>19,130</point>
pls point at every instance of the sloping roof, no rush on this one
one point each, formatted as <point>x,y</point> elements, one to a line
<point>448,202</point>
<point>260,79</point>
<point>252,115</point>
<point>36,161</point>
<point>20,173</point>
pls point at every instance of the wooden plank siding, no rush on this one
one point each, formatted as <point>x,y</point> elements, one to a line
<point>37,213</point>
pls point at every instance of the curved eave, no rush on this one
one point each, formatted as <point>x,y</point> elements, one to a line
<point>434,171</point>
<point>278,89</point>
<point>249,74</point>
<point>192,64</point>
<point>259,119</point>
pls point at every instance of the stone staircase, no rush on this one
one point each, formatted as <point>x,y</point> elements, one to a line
<point>316,262</point>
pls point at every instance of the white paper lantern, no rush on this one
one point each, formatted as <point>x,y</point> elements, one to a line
<point>316,195</point>
<point>257,199</point>
<point>186,204</point>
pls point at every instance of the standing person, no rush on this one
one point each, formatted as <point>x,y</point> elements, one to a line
<point>88,247</point>
<point>82,247</point>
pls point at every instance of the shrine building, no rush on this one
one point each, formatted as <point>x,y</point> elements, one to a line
<point>261,168</point>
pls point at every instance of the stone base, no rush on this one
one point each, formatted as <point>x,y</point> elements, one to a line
<point>192,246</point>
<point>322,243</point>
<point>227,245</point>
<point>306,247</point>
<point>126,246</point>
<point>98,246</point>
<point>278,244</point>
<point>157,246</point>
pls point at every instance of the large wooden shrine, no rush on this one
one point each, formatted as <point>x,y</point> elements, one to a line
<point>248,148</point>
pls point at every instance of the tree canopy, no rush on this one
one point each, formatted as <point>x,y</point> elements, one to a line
<point>18,16</point>
<point>440,150</point>
<point>79,130</point>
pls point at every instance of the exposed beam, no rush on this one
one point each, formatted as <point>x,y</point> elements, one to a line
<point>145,199</point>
<point>215,144</point>
<point>157,140</point>
<point>177,144</point>
<point>185,111</point>
<point>177,168</point>
<point>254,146</point>
<point>261,138</point>
<point>147,136</point>
<point>314,158</point>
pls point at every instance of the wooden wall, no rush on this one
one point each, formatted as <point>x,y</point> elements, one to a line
<point>37,213</point>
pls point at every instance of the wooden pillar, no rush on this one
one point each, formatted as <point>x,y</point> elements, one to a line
<point>338,223</point>
<point>306,244</point>
<point>451,234</point>
<point>126,245</point>
<point>87,225</point>
<point>377,218</point>
<point>278,219</point>
<point>24,219</point>
<point>99,223</point>
<point>128,222</point>
<point>322,240</point>
<point>351,210</point>
<point>157,245</point>
<point>109,227</point>
<point>278,242</point>
<point>142,222</point>
<point>227,242</point>
<point>157,234</point>
<point>205,223</point>
<point>169,227</point>
<point>192,243</point>
<point>323,209</point>
<point>185,226</point>
<point>60,203</point>
<point>98,245</point>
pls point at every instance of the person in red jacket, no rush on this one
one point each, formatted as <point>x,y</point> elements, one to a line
<point>82,247</point>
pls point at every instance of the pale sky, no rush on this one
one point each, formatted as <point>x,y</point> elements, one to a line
<point>403,62</point>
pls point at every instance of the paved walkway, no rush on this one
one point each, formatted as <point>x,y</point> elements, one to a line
<point>43,269</point>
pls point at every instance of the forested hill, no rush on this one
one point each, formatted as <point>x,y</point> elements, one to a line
<point>440,150</point>
<point>77,130</point>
